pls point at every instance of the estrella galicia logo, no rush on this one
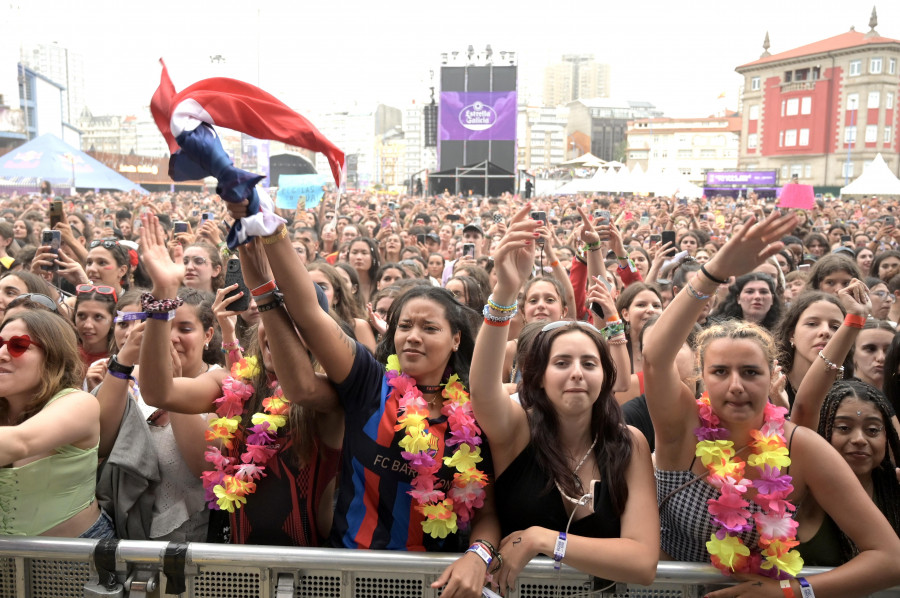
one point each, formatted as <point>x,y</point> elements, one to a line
<point>477,116</point>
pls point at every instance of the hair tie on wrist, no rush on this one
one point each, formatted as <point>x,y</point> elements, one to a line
<point>711,277</point>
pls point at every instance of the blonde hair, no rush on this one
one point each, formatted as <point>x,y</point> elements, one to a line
<point>736,330</point>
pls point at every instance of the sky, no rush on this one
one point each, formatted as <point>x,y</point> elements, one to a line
<point>324,56</point>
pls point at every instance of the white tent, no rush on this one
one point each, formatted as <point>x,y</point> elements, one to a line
<point>588,159</point>
<point>876,179</point>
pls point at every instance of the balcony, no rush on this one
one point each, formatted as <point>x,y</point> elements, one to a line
<point>799,85</point>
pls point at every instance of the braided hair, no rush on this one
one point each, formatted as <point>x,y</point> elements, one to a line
<point>886,488</point>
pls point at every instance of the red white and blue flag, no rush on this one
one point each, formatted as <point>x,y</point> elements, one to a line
<point>186,118</point>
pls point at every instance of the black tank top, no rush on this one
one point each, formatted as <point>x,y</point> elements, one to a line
<point>523,501</point>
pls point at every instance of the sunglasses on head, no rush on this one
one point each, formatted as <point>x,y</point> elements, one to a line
<point>561,323</point>
<point>105,243</point>
<point>100,289</point>
<point>17,345</point>
<point>38,298</point>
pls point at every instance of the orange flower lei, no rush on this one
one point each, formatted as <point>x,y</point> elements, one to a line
<point>233,479</point>
<point>442,511</point>
<point>775,524</point>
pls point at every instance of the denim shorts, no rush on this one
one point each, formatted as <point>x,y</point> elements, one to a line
<point>102,529</point>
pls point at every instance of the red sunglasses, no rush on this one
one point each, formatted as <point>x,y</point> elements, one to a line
<point>101,289</point>
<point>17,345</point>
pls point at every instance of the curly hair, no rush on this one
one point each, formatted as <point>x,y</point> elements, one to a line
<point>613,449</point>
<point>886,494</point>
<point>731,307</point>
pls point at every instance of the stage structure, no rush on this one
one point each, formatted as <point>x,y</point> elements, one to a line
<point>477,123</point>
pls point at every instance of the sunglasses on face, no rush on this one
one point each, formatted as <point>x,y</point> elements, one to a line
<point>196,260</point>
<point>34,297</point>
<point>105,243</point>
<point>100,289</point>
<point>17,345</point>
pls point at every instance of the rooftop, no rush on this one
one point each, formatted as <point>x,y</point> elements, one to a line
<point>850,39</point>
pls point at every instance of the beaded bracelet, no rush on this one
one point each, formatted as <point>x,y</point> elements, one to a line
<point>504,318</point>
<point>831,366</point>
<point>499,307</point>
<point>695,293</point>
<point>617,340</point>
<point>234,345</point>
<point>152,305</point>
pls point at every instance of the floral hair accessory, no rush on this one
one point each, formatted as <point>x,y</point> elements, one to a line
<point>233,478</point>
<point>777,529</point>
<point>444,513</point>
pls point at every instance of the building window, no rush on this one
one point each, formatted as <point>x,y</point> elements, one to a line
<point>871,133</point>
<point>708,153</point>
<point>853,101</point>
<point>793,107</point>
<point>782,107</point>
<point>784,171</point>
<point>685,154</point>
<point>790,138</point>
<point>855,67</point>
<point>847,170</point>
<point>796,170</point>
<point>807,170</point>
<point>684,171</point>
<point>887,135</point>
<point>804,137</point>
<point>892,66</point>
<point>788,76</point>
<point>780,138</point>
<point>875,66</point>
<point>806,105</point>
<point>889,100</point>
<point>874,99</point>
<point>849,134</point>
<point>752,140</point>
<point>754,112</point>
<point>754,84</point>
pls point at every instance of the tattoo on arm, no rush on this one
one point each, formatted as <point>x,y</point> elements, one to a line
<point>348,342</point>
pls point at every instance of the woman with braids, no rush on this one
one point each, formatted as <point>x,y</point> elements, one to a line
<point>731,469</point>
<point>260,423</point>
<point>413,472</point>
<point>567,430</point>
<point>856,419</point>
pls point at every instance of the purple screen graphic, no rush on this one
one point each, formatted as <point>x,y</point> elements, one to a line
<point>478,115</point>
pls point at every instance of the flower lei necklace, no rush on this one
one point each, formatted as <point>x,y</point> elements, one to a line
<point>233,478</point>
<point>775,524</point>
<point>442,511</point>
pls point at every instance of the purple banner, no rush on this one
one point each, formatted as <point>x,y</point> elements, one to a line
<point>737,177</point>
<point>486,115</point>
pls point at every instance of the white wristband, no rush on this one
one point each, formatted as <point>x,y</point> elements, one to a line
<point>559,551</point>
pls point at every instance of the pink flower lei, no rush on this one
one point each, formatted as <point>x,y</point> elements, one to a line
<point>234,478</point>
<point>777,529</point>
<point>442,511</point>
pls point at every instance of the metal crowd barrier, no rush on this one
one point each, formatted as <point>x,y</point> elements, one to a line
<point>74,568</point>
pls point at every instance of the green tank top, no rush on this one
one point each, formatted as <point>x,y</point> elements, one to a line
<point>42,494</point>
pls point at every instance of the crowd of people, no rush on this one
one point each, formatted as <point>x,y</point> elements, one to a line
<point>607,381</point>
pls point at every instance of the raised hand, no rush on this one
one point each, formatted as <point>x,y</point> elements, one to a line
<point>752,245</point>
<point>514,254</point>
<point>165,274</point>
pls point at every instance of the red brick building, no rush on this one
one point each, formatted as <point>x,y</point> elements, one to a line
<point>822,111</point>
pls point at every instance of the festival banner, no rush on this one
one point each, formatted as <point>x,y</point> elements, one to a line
<point>762,178</point>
